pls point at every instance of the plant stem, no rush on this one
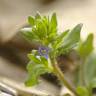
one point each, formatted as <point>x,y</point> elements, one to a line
<point>60,75</point>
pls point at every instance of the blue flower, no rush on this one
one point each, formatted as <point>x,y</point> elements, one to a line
<point>43,51</point>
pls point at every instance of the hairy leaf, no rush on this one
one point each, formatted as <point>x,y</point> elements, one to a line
<point>73,37</point>
<point>29,34</point>
<point>85,48</point>
<point>54,21</point>
<point>52,28</point>
<point>59,39</point>
<point>90,68</point>
<point>31,20</point>
<point>41,29</point>
<point>82,91</point>
<point>33,58</point>
<point>36,67</point>
<point>70,40</point>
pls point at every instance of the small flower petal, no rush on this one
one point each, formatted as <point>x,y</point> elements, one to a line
<point>43,51</point>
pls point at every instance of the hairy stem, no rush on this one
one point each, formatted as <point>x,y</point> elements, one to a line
<point>60,75</point>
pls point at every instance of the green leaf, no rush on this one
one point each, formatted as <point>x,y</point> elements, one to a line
<point>31,80</point>
<point>85,48</point>
<point>31,20</point>
<point>29,34</point>
<point>70,40</point>
<point>37,66</point>
<point>33,58</point>
<point>30,66</point>
<point>90,68</point>
<point>41,29</point>
<point>44,61</point>
<point>52,28</point>
<point>73,37</point>
<point>32,77</point>
<point>35,70</point>
<point>87,55</point>
<point>45,20</point>
<point>59,39</point>
<point>89,71</point>
<point>54,21</point>
<point>82,91</point>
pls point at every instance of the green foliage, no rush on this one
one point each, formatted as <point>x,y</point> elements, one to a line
<point>53,26</point>
<point>69,40</point>
<point>44,30</point>
<point>82,91</point>
<point>73,37</point>
<point>31,20</point>
<point>37,66</point>
<point>87,65</point>
<point>90,69</point>
<point>59,39</point>
<point>28,33</point>
<point>85,48</point>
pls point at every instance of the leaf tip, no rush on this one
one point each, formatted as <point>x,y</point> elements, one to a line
<point>80,24</point>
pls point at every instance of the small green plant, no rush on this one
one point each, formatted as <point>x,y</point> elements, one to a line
<point>43,30</point>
